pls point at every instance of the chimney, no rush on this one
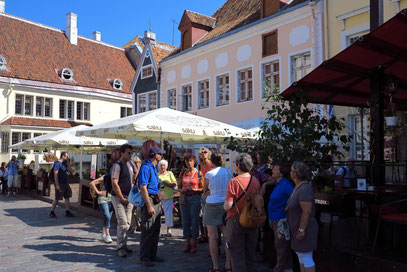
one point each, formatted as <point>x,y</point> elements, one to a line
<point>71,31</point>
<point>149,37</point>
<point>2,6</point>
<point>97,36</point>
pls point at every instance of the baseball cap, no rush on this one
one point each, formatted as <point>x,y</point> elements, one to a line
<point>156,150</point>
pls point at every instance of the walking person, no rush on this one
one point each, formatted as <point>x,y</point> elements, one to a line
<point>12,179</point>
<point>301,217</point>
<point>62,188</point>
<point>190,202</point>
<point>216,180</point>
<point>241,241</point>
<point>277,216</point>
<point>148,184</point>
<point>122,174</point>
<point>168,180</point>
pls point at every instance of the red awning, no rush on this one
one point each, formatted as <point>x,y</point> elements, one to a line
<point>345,78</point>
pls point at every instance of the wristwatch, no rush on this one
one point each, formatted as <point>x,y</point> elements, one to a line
<point>301,230</point>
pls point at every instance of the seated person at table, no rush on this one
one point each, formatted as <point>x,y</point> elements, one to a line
<point>346,176</point>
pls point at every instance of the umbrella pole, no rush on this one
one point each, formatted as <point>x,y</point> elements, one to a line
<point>80,164</point>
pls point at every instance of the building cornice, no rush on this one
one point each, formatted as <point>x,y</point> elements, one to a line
<point>254,29</point>
<point>342,18</point>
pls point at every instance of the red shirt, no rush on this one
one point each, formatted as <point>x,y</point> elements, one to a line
<point>195,182</point>
<point>205,168</point>
<point>234,191</point>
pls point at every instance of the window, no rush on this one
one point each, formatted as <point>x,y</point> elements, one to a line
<point>39,106</point>
<point>300,66</point>
<point>142,103</point>
<point>3,63</point>
<point>152,101</point>
<point>222,90</point>
<point>124,112</point>
<point>187,98</point>
<point>70,110</point>
<point>172,99</point>
<point>117,84</point>
<point>270,44</point>
<point>19,104</point>
<point>245,85</point>
<point>356,145</point>
<point>48,107</point>
<point>351,39</point>
<point>271,78</point>
<point>37,151</point>
<point>28,105</point>
<point>5,142</point>
<point>203,94</point>
<point>66,109</point>
<point>67,75</point>
<point>25,136</point>
<point>147,71</point>
<point>15,138</point>
<point>82,111</point>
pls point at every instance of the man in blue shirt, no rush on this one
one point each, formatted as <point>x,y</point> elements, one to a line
<point>62,188</point>
<point>148,184</point>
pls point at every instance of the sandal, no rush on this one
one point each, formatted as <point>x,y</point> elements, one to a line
<point>213,269</point>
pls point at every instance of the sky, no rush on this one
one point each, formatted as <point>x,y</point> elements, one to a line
<point>119,21</point>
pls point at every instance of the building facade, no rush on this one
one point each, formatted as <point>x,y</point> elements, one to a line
<point>228,62</point>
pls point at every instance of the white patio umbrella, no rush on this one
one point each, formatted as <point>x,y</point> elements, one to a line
<point>167,124</point>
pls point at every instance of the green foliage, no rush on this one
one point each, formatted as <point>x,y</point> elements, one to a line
<point>21,157</point>
<point>292,131</point>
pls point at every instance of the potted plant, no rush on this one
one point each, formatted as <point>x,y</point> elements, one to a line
<point>21,158</point>
<point>390,115</point>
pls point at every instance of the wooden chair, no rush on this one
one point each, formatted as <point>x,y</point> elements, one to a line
<point>388,213</point>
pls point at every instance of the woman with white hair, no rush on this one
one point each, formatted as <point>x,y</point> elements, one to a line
<point>169,182</point>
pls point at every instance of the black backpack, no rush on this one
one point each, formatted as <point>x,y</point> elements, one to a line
<point>107,178</point>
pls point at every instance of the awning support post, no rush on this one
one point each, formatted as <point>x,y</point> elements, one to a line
<point>377,82</point>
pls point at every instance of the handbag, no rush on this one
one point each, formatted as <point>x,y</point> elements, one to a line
<point>181,199</point>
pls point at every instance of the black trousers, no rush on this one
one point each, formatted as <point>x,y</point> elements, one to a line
<point>150,232</point>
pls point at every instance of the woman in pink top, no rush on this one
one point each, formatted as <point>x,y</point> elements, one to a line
<point>241,241</point>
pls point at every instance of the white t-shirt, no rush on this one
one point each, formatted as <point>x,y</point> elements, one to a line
<point>218,184</point>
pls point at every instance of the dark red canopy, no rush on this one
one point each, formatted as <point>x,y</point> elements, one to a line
<point>345,78</point>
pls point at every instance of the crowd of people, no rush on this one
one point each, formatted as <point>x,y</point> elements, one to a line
<point>211,199</point>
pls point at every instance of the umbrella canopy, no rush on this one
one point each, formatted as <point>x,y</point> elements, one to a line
<point>67,139</point>
<point>167,124</point>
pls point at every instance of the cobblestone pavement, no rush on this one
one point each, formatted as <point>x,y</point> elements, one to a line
<point>31,241</point>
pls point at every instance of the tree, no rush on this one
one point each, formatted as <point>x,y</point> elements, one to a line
<point>292,131</point>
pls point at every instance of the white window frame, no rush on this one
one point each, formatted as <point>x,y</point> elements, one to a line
<point>261,67</point>
<point>147,94</point>
<point>237,73</point>
<point>199,93</point>
<point>182,97</point>
<point>168,97</point>
<point>353,32</point>
<point>145,67</point>
<point>290,58</point>
<point>217,89</point>
<point>156,100</point>
<point>5,137</point>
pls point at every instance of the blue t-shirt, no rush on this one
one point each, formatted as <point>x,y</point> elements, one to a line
<point>278,199</point>
<point>12,169</point>
<point>148,173</point>
<point>62,175</point>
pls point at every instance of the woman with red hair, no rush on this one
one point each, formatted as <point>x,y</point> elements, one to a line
<point>190,202</point>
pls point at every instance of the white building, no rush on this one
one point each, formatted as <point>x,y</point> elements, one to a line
<point>52,79</point>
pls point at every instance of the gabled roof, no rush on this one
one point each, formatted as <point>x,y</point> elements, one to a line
<point>39,122</point>
<point>198,18</point>
<point>36,52</point>
<point>160,49</point>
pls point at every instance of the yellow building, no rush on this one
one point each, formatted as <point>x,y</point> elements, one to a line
<point>345,22</point>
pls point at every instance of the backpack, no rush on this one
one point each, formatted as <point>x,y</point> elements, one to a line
<point>107,178</point>
<point>253,214</point>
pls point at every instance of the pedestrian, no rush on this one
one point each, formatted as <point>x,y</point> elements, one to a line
<point>3,180</point>
<point>204,166</point>
<point>216,181</point>
<point>190,202</point>
<point>12,180</point>
<point>301,217</point>
<point>346,176</point>
<point>168,182</point>
<point>241,241</point>
<point>151,211</point>
<point>105,199</point>
<point>135,217</point>
<point>62,188</point>
<point>122,174</point>
<point>277,216</point>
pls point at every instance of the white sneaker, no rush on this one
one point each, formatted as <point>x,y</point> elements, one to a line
<point>108,239</point>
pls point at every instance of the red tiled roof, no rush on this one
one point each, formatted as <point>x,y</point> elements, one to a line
<point>36,122</point>
<point>35,52</point>
<point>200,18</point>
<point>160,49</point>
<point>136,40</point>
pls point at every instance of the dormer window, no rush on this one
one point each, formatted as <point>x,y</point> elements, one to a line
<point>3,63</point>
<point>117,84</point>
<point>147,71</point>
<point>67,75</point>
